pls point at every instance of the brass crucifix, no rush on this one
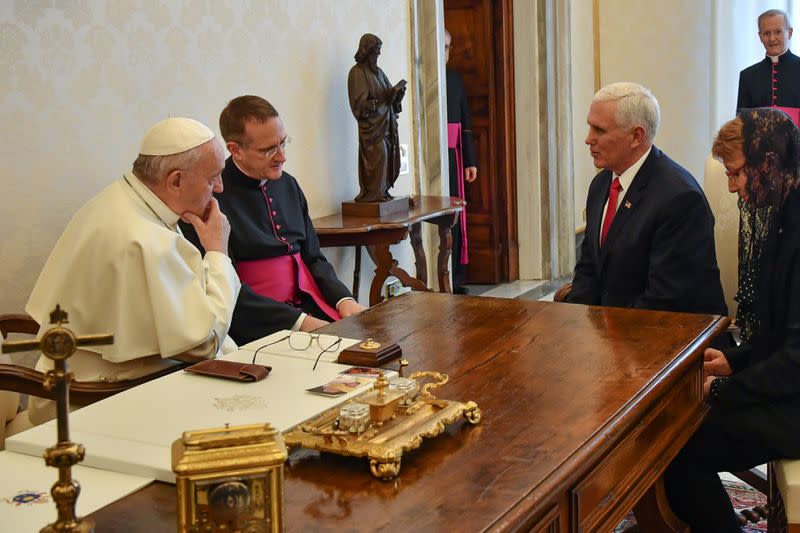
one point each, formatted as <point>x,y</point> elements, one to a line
<point>59,343</point>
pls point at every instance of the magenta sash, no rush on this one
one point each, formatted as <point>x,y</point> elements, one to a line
<point>454,141</point>
<point>793,112</point>
<point>281,278</point>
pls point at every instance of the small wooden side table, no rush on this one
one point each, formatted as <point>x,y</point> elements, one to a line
<point>378,233</point>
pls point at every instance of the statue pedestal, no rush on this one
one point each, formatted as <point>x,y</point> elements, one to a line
<point>395,206</point>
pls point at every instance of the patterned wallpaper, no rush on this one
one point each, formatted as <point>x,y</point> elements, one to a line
<point>82,80</point>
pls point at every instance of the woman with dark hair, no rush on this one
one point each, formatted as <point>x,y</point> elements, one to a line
<point>754,388</point>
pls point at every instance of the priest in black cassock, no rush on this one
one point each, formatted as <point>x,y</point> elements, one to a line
<point>461,151</point>
<point>286,281</point>
<point>775,80</point>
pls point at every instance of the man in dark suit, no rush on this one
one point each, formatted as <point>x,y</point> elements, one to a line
<point>775,80</point>
<point>463,164</point>
<point>649,239</point>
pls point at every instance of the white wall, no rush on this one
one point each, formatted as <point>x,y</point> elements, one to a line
<point>528,164</point>
<point>666,46</point>
<point>582,51</point>
<point>80,83</point>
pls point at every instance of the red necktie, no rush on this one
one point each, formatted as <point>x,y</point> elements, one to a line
<point>611,209</point>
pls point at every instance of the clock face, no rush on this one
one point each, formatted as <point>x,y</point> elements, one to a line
<point>58,344</point>
<point>228,500</point>
<point>240,503</point>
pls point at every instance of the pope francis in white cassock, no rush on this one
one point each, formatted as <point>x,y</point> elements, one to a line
<point>122,265</point>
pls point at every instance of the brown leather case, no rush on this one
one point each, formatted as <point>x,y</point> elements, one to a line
<point>358,356</point>
<point>230,370</point>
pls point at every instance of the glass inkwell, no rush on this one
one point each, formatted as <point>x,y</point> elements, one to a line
<point>407,386</point>
<point>354,418</point>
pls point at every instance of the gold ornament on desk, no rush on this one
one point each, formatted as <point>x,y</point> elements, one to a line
<point>398,420</point>
<point>59,343</point>
<point>230,479</point>
<point>370,344</point>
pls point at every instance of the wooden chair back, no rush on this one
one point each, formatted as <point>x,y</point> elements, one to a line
<point>24,380</point>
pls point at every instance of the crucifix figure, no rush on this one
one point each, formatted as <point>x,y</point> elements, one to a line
<point>59,343</point>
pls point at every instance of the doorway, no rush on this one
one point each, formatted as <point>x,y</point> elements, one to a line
<point>482,52</point>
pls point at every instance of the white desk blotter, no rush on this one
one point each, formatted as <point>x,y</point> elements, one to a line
<point>133,431</point>
<point>25,501</point>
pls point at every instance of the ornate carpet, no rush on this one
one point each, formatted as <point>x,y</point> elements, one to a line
<point>742,495</point>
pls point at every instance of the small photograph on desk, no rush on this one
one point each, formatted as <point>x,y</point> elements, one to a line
<point>339,386</point>
<point>365,371</point>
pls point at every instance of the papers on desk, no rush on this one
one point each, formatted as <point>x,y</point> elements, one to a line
<point>133,431</point>
<point>25,500</point>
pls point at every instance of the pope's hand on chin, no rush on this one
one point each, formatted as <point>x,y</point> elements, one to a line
<point>213,230</point>
<point>203,215</point>
<point>206,212</point>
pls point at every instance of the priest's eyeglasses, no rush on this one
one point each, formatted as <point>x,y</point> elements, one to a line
<point>301,341</point>
<point>269,153</point>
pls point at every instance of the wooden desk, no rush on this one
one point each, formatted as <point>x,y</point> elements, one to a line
<point>378,233</point>
<point>583,408</point>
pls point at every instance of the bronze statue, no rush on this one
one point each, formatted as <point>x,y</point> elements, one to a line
<point>375,104</point>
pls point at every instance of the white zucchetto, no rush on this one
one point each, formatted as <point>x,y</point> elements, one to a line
<point>174,136</point>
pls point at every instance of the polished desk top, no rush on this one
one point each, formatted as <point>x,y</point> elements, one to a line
<point>424,208</point>
<point>559,386</point>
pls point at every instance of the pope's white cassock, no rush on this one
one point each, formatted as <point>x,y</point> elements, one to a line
<point>123,267</point>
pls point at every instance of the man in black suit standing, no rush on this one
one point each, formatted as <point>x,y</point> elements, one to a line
<point>649,239</point>
<point>775,80</point>
<point>462,161</point>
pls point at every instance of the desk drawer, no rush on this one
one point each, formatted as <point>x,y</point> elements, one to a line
<point>610,489</point>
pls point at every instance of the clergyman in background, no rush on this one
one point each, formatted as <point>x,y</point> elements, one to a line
<point>463,166</point>
<point>775,80</point>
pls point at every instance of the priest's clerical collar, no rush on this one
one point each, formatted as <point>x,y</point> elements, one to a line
<point>166,215</point>
<point>261,182</point>
<point>777,58</point>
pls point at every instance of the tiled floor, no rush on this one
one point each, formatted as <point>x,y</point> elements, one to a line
<point>513,289</point>
<point>522,289</point>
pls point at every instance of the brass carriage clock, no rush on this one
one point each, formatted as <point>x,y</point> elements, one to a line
<point>230,479</point>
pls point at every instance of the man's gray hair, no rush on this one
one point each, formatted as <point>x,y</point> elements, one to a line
<point>151,169</point>
<point>772,13</point>
<point>636,106</point>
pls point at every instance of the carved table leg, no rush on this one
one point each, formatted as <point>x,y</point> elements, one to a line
<point>443,260</point>
<point>357,272</point>
<point>653,512</point>
<point>385,266</point>
<point>384,261</point>
<point>419,252</point>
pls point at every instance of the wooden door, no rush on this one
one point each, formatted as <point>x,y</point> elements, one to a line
<point>482,52</point>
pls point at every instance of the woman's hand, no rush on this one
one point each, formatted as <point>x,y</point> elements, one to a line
<point>715,363</point>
